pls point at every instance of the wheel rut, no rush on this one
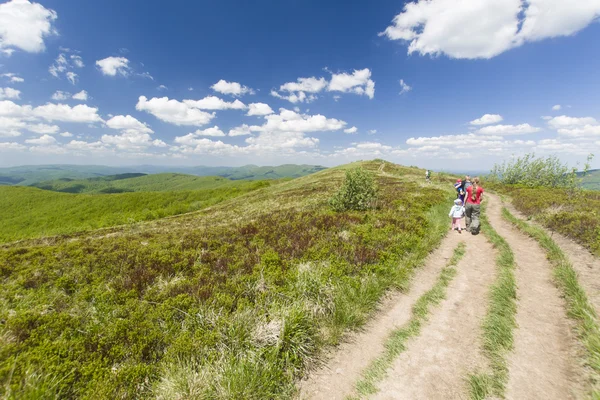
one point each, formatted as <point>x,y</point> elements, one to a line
<point>336,377</point>
<point>543,363</point>
<point>436,363</point>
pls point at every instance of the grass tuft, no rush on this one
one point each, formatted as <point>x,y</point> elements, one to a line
<point>396,342</point>
<point>499,322</point>
<point>578,305</point>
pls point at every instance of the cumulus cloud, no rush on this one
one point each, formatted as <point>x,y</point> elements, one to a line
<point>556,107</point>
<point>215,103</point>
<point>372,131</point>
<point>351,130</point>
<point>66,134</point>
<point>112,66</point>
<point>305,90</point>
<point>71,77</point>
<point>12,77</point>
<point>4,146</point>
<point>504,130</point>
<point>44,140</point>
<point>42,129</point>
<point>66,113</point>
<point>60,95</point>
<point>486,28</point>
<point>404,87</point>
<point>128,124</point>
<point>358,82</point>
<point>83,95</point>
<point>24,25</point>
<point>173,111</point>
<point>259,109</point>
<point>231,88</point>
<point>9,93</point>
<point>10,126</point>
<point>487,119</point>
<point>291,121</point>
<point>241,130</point>
<point>564,121</point>
<point>214,131</point>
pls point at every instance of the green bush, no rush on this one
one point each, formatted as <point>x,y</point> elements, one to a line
<point>535,172</point>
<point>358,192</point>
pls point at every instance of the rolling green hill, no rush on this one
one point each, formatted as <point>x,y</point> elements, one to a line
<point>228,303</point>
<point>592,180</point>
<point>29,175</point>
<point>135,182</point>
<point>28,212</point>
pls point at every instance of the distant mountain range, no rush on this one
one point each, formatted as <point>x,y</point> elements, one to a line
<point>31,174</point>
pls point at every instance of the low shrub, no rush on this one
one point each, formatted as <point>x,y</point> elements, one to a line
<point>358,192</point>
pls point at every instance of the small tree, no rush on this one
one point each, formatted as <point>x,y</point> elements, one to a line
<point>358,192</point>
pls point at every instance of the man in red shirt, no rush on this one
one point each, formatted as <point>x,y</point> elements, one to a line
<point>473,206</point>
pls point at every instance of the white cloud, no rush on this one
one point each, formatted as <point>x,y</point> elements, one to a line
<point>112,66</point>
<point>214,131</point>
<point>215,103</point>
<point>504,130</point>
<point>231,88</point>
<point>11,146</point>
<point>42,141</point>
<point>24,25</point>
<point>556,107</point>
<point>487,119</point>
<point>77,61</point>
<point>486,28</point>
<point>79,145</point>
<point>9,93</point>
<point>66,113</point>
<point>71,77</point>
<point>162,87</point>
<point>66,134</point>
<point>241,130</point>
<point>310,85</point>
<point>259,109</point>
<point>272,141</point>
<point>60,95</point>
<point>358,82</point>
<point>128,124</point>
<point>351,130</point>
<point>404,87</point>
<point>581,132</point>
<point>291,121</point>
<point>294,98</point>
<point>43,128</point>
<point>146,75</point>
<point>10,127</point>
<point>564,121</point>
<point>372,131</point>
<point>83,95</point>
<point>12,77</point>
<point>173,111</point>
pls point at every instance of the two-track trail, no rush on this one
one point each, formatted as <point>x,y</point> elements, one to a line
<point>436,363</point>
<point>336,378</point>
<point>543,363</point>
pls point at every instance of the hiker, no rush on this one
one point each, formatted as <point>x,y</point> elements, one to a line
<point>466,183</point>
<point>474,194</point>
<point>460,193</point>
<point>427,175</point>
<point>456,213</point>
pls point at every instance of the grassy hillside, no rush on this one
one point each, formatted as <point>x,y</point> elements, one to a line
<point>592,180</point>
<point>28,212</point>
<point>29,175</point>
<point>228,303</point>
<point>574,214</point>
<point>135,182</point>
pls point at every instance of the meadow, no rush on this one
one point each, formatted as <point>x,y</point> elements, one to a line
<point>228,303</point>
<point>28,212</point>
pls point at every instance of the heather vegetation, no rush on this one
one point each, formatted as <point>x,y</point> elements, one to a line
<point>133,182</point>
<point>234,302</point>
<point>30,212</point>
<point>549,192</point>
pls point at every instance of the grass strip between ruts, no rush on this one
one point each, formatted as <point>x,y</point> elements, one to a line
<point>396,342</point>
<point>578,305</point>
<point>499,322</point>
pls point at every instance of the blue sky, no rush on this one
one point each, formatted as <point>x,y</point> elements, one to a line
<point>300,82</point>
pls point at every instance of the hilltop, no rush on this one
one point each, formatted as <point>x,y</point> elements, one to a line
<point>32,174</point>
<point>592,180</point>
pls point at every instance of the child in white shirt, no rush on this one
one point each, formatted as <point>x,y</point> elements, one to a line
<point>456,213</point>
